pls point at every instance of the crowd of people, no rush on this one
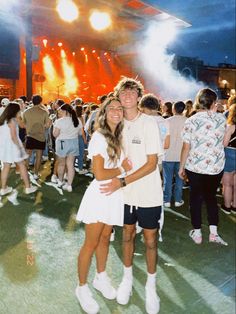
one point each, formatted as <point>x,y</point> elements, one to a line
<point>128,143</point>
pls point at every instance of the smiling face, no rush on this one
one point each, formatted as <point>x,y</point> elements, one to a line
<point>114,113</point>
<point>129,98</point>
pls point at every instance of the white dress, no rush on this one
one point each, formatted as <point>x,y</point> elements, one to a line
<point>95,206</point>
<point>9,152</point>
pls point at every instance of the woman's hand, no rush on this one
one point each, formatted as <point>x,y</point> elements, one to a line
<point>182,173</point>
<point>126,164</point>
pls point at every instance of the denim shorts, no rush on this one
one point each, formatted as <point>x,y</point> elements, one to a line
<point>147,217</point>
<point>230,159</point>
<point>67,147</point>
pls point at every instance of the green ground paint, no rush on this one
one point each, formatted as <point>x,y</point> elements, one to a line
<point>40,240</point>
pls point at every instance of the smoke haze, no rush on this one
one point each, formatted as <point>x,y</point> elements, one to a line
<point>155,63</point>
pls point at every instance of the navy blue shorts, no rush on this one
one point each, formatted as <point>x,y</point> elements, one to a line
<point>147,217</point>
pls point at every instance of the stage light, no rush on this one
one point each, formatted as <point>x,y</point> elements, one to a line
<point>105,53</point>
<point>59,44</point>
<point>73,53</point>
<point>98,58</point>
<point>100,20</point>
<point>109,60</point>
<point>67,10</point>
<point>45,41</point>
<point>94,51</point>
<point>49,68</point>
<point>82,48</point>
<point>86,58</point>
<point>63,54</point>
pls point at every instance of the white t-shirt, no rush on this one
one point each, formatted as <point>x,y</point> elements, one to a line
<point>176,124</point>
<point>142,138</point>
<point>67,129</point>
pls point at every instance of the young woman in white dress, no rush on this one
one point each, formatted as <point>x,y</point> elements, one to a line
<point>12,149</point>
<point>100,212</point>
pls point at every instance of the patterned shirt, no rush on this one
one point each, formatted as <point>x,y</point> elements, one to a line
<point>205,132</point>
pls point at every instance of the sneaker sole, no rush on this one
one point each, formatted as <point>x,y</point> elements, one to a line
<point>225,211</point>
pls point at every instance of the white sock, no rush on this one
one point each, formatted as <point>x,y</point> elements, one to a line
<point>128,272</point>
<point>213,229</point>
<point>151,280</point>
<point>198,232</point>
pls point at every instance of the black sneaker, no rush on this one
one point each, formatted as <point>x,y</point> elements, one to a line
<point>226,210</point>
<point>233,210</point>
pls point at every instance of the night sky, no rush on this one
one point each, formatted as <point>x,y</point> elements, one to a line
<point>211,37</point>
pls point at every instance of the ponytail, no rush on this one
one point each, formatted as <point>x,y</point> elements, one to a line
<point>74,118</point>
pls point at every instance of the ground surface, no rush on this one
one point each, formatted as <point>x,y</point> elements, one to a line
<point>40,240</point>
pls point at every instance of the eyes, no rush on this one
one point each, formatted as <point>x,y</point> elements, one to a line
<point>132,92</point>
<point>120,109</point>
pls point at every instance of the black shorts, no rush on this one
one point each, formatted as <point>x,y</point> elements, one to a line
<point>32,143</point>
<point>147,217</point>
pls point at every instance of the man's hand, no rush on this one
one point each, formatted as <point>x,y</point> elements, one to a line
<point>109,188</point>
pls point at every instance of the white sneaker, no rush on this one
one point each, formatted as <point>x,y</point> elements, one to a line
<point>112,236</point>
<point>67,187</point>
<point>31,189</point>
<point>35,176</point>
<point>103,284</point>
<point>12,198</point>
<point>167,204</point>
<point>152,300</point>
<point>86,300</point>
<point>5,191</point>
<point>54,178</point>
<point>44,158</point>
<point>215,238</point>
<point>124,291</point>
<point>83,171</point>
<point>60,183</point>
<point>196,236</point>
<point>178,204</point>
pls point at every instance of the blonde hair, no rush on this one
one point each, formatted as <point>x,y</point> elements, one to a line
<point>232,115</point>
<point>114,141</point>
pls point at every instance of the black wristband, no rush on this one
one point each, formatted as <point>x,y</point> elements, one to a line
<point>122,182</point>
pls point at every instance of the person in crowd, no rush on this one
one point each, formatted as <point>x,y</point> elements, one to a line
<point>12,149</point>
<point>202,160</point>
<point>66,132</point>
<point>167,110</point>
<point>82,141</point>
<point>89,125</point>
<point>188,108</point>
<point>98,211</point>
<point>4,103</point>
<point>229,177</point>
<point>172,157</point>
<point>143,193</point>
<point>150,105</point>
<point>53,116</point>
<point>36,120</point>
<point>231,101</point>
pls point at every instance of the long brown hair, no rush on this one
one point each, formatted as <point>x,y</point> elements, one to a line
<point>114,141</point>
<point>9,112</point>
<point>232,115</point>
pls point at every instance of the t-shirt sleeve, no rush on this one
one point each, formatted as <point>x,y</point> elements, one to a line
<point>153,139</point>
<point>57,124</point>
<point>187,131</point>
<point>97,146</point>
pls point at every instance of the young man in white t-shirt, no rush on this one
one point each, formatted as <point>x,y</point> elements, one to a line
<point>143,193</point>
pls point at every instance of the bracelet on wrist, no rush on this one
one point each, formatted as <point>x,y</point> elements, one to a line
<point>122,182</point>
